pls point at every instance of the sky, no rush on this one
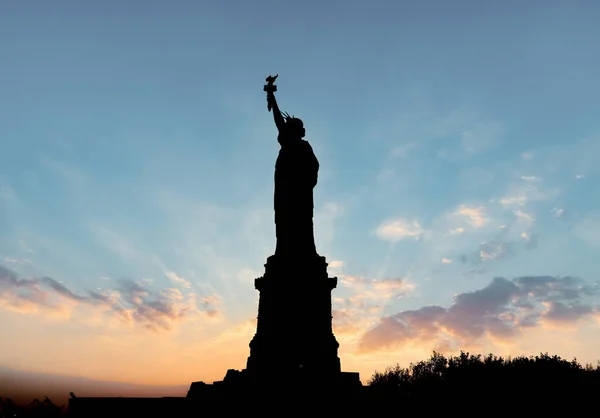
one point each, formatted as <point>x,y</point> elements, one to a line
<point>457,203</point>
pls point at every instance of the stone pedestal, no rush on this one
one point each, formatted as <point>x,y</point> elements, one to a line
<point>294,353</point>
<point>294,339</point>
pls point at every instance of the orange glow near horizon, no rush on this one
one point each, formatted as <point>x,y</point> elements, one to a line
<point>182,355</point>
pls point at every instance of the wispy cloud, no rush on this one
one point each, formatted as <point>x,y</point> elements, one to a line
<point>500,246</point>
<point>364,301</point>
<point>177,279</point>
<point>17,261</point>
<point>501,310</point>
<point>129,301</point>
<point>530,178</point>
<point>522,215</point>
<point>397,229</point>
<point>474,214</point>
<point>336,264</point>
<point>525,192</point>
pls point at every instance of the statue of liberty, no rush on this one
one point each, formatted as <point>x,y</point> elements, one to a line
<point>296,172</point>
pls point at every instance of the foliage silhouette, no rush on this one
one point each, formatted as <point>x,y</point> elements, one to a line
<point>533,380</point>
<point>34,409</point>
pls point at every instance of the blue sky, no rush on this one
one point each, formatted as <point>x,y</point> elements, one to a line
<point>459,146</point>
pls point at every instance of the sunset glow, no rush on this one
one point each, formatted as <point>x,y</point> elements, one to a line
<point>457,203</point>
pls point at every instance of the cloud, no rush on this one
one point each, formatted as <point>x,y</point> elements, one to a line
<point>27,295</point>
<point>499,247</point>
<point>501,310</point>
<point>9,278</point>
<point>524,216</point>
<point>524,192</point>
<point>529,240</point>
<point>563,313</point>
<point>61,289</point>
<point>422,324</point>
<point>366,298</point>
<point>344,322</point>
<point>16,261</point>
<point>129,302</point>
<point>474,214</point>
<point>446,260</point>
<point>211,305</point>
<point>363,284</point>
<point>513,200</point>
<point>398,229</point>
<point>177,279</point>
<point>158,310</point>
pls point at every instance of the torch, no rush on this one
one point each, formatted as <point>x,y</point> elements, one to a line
<point>270,88</point>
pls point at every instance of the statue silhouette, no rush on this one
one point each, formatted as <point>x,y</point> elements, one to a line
<point>296,172</point>
<point>294,353</point>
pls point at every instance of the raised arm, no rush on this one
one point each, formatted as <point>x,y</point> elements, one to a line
<point>277,116</point>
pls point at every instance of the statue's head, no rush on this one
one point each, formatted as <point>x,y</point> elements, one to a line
<point>294,127</point>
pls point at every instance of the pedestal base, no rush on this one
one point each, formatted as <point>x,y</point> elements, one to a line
<point>237,385</point>
<point>294,336</point>
<point>294,352</point>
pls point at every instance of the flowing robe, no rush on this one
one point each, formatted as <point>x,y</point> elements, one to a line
<point>296,172</point>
